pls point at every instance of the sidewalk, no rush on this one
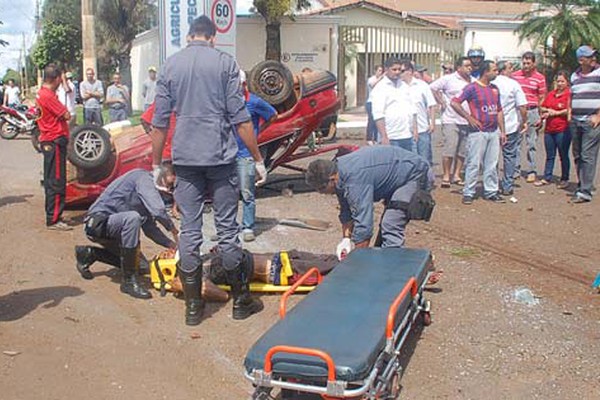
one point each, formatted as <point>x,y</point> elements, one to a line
<point>352,123</point>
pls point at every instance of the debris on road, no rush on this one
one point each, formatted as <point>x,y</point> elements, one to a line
<point>11,353</point>
<point>525,296</point>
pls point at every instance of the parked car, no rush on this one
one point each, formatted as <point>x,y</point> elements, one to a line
<point>305,102</point>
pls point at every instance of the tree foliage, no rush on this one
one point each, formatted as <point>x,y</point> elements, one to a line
<point>118,22</point>
<point>272,12</point>
<point>3,42</point>
<point>565,24</point>
<point>12,74</point>
<point>60,41</point>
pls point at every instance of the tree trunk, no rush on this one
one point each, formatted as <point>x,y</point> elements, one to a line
<point>273,41</point>
<point>125,71</point>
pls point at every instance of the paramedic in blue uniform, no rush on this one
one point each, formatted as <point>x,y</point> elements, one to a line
<point>202,86</point>
<point>368,175</point>
<point>130,203</point>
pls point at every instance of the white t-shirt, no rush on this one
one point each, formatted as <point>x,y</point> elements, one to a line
<point>67,98</point>
<point>13,94</point>
<point>511,97</point>
<point>422,99</point>
<point>391,101</point>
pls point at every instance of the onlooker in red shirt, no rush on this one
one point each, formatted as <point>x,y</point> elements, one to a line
<point>556,109</point>
<point>146,119</point>
<point>533,84</point>
<point>54,136</point>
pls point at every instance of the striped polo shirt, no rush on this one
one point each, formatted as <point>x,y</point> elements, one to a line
<point>585,94</point>
<point>484,103</point>
<point>533,84</point>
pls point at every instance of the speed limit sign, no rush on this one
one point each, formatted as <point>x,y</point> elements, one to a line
<point>223,13</point>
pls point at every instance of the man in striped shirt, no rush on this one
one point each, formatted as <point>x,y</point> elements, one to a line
<point>533,84</point>
<point>487,133</point>
<point>585,123</point>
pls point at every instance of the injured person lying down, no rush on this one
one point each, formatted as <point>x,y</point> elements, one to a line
<point>281,268</point>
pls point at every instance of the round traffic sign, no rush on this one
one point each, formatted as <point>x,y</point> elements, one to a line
<point>222,14</point>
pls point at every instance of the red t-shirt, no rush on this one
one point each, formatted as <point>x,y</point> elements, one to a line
<point>147,118</point>
<point>557,102</point>
<point>533,85</point>
<point>51,122</point>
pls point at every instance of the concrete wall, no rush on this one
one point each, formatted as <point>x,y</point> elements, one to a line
<point>144,53</point>
<point>306,42</point>
<point>496,37</point>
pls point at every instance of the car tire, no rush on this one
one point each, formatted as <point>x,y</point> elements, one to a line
<point>8,131</point>
<point>272,81</point>
<point>89,147</point>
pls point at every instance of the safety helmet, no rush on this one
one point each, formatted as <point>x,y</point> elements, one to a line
<point>476,51</point>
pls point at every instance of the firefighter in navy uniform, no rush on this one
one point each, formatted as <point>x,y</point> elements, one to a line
<point>202,85</point>
<point>54,136</point>
<point>130,203</point>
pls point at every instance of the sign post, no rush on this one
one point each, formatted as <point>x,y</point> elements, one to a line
<point>175,17</point>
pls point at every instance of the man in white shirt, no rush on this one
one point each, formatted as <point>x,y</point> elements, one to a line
<point>514,105</point>
<point>424,104</point>
<point>454,127</point>
<point>12,94</point>
<point>393,111</point>
<point>149,88</point>
<point>66,95</point>
<point>371,82</point>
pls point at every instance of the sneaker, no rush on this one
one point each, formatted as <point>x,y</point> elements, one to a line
<point>531,177</point>
<point>580,198</point>
<point>467,200</point>
<point>248,235</point>
<point>59,226</point>
<point>496,198</point>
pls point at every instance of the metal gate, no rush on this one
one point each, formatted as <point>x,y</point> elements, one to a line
<point>367,46</point>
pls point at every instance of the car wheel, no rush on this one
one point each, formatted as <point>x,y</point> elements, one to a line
<point>8,131</point>
<point>272,81</point>
<point>89,147</point>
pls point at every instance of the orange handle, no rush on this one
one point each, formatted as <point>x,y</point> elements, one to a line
<point>295,286</point>
<point>302,351</point>
<point>410,285</point>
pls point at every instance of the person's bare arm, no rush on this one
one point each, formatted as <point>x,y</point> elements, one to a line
<point>347,229</point>
<point>523,112</point>
<point>439,98</point>
<point>380,124</point>
<point>431,119</point>
<point>501,126</point>
<point>460,111</point>
<point>246,133</point>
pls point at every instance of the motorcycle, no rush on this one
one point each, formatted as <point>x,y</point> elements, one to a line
<point>21,119</point>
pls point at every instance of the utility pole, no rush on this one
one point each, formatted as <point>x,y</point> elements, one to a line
<point>25,82</point>
<point>88,33</point>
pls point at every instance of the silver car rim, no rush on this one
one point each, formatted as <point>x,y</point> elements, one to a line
<point>88,145</point>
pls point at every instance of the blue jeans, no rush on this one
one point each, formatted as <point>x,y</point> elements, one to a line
<point>406,144</point>
<point>557,141</point>
<point>586,143</point>
<point>483,148</point>
<point>510,159</point>
<point>423,146</point>
<point>247,172</point>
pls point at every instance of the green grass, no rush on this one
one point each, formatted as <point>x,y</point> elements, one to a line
<point>134,118</point>
<point>464,252</point>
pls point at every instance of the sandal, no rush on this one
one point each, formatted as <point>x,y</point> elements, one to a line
<point>542,182</point>
<point>445,184</point>
<point>435,277</point>
<point>459,182</point>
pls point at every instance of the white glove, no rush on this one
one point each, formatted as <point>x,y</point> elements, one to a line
<point>157,177</point>
<point>344,248</point>
<point>261,171</point>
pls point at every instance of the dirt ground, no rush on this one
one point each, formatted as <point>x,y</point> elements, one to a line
<point>66,338</point>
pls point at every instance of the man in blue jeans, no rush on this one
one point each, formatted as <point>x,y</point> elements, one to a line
<point>259,110</point>
<point>585,124</point>
<point>487,132</point>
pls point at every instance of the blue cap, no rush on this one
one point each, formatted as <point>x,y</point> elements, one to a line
<point>585,51</point>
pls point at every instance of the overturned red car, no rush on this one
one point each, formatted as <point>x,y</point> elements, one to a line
<point>306,103</point>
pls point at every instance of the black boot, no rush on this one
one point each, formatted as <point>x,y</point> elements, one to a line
<point>85,257</point>
<point>129,267</point>
<point>192,287</point>
<point>244,305</point>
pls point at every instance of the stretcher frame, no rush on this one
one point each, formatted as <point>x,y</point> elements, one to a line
<point>383,380</point>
